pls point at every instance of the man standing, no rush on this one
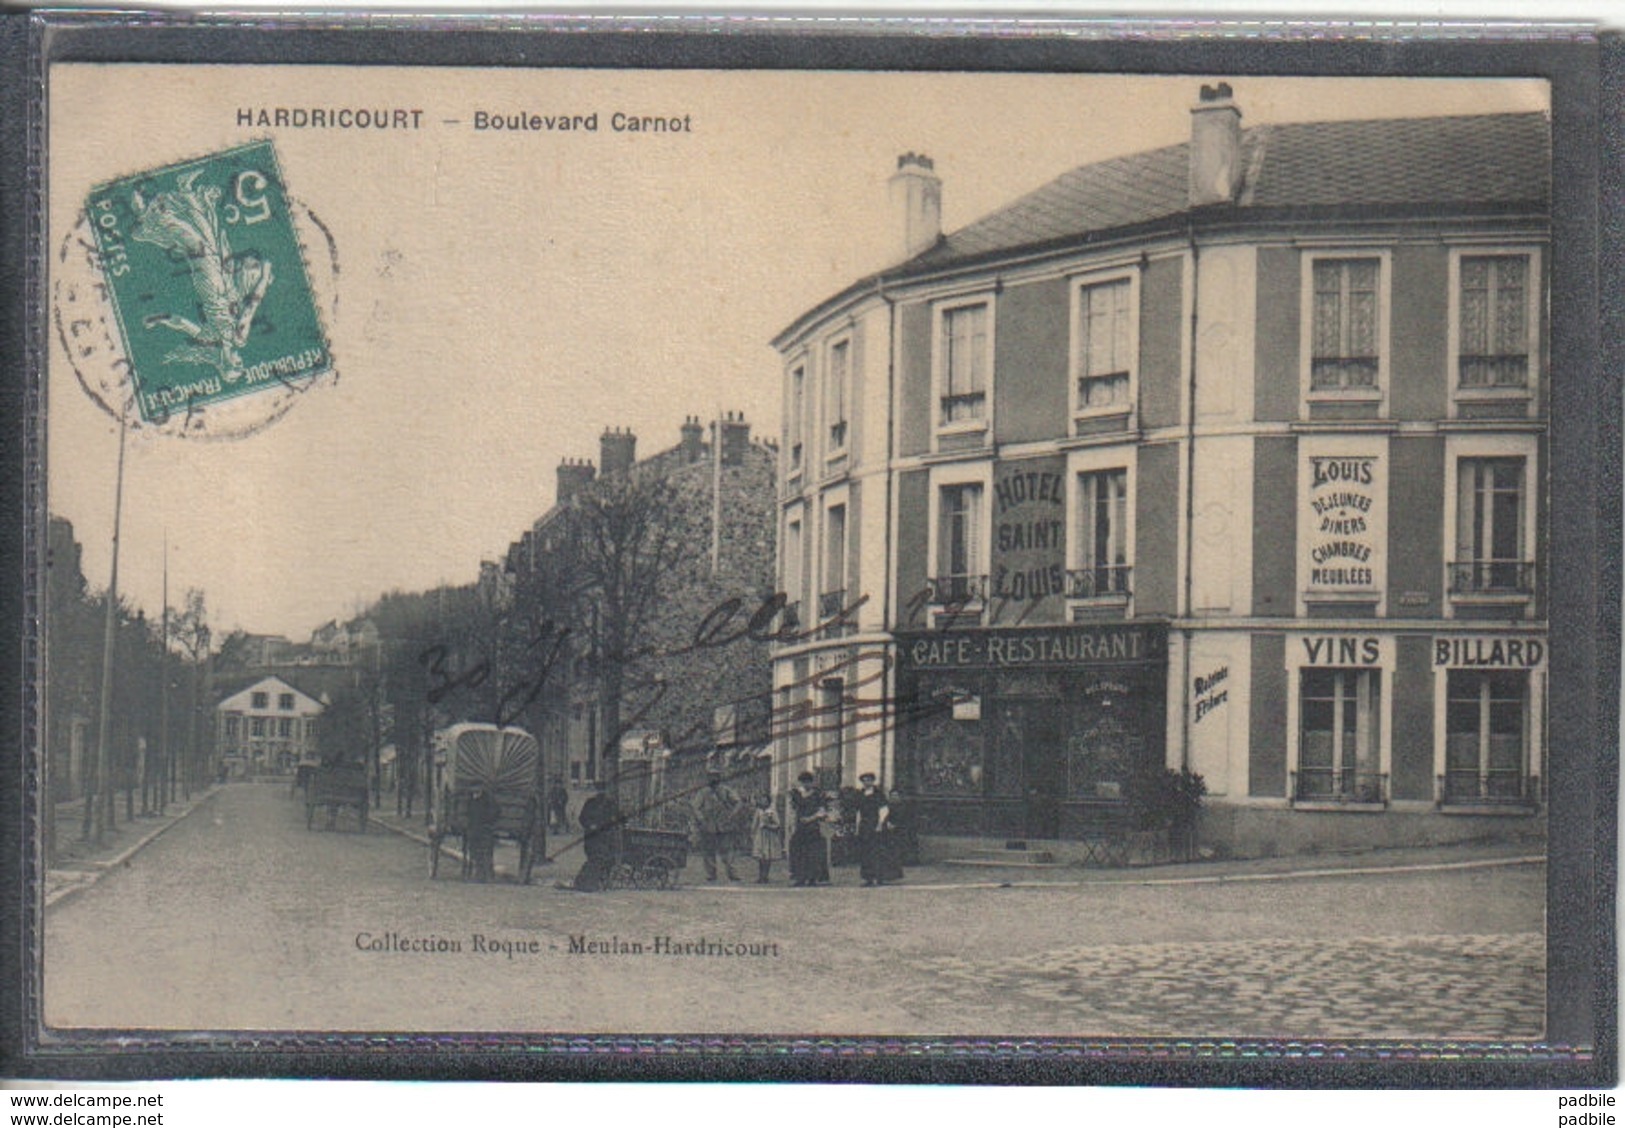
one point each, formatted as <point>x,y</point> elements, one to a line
<point>558,808</point>
<point>483,813</point>
<point>716,821</point>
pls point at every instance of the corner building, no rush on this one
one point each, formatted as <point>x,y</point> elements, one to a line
<point>1228,456</point>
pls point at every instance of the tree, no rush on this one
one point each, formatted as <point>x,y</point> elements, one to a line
<point>629,534</point>
<point>188,632</point>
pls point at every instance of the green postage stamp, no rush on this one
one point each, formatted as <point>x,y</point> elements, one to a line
<point>206,276</point>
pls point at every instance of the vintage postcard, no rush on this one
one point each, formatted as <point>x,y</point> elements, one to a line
<point>820,554</point>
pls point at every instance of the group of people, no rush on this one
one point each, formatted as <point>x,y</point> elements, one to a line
<point>725,826</point>
<point>879,824</point>
<point>723,822</point>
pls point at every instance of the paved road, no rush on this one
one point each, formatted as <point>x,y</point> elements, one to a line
<point>240,918</point>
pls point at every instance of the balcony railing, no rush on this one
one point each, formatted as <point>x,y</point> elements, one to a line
<point>831,605</point>
<point>1492,577</point>
<point>1103,582</point>
<point>956,591</point>
<point>1494,371</point>
<point>963,407</point>
<point>1330,373</point>
<point>1493,787</point>
<point>1334,785</point>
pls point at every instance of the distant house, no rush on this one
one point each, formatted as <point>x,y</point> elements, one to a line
<point>266,727</point>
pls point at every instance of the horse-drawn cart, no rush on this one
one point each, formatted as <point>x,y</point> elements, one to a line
<point>506,763</point>
<point>336,785</point>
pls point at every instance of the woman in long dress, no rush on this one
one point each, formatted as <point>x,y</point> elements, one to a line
<point>809,856</point>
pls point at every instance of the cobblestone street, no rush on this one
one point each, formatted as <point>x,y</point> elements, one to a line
<point>240,918</point>
<point>1436,987</point>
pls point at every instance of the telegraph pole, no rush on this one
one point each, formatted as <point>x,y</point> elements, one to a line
<point>102,799</point>
<point>166,771</point>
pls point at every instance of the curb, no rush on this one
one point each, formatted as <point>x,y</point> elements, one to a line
<point>99,870</point>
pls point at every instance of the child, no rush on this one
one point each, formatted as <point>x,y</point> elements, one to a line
<point>766,838</point>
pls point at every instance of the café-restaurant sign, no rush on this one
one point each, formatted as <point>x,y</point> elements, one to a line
<point>1032,648</point>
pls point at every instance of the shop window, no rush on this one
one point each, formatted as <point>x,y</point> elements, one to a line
<point>835,392</point>
<point>1486,736</point>
<point>1102,567</point>
<point>1339,745</point>
<point>1103,354</point>
<point>1493,322</point>
<point>964,365</point>
<point>949,757</point>
<point>1345,344</point>
<point>830,755</point>
<point>958,578</point>
<point>1490,548</point>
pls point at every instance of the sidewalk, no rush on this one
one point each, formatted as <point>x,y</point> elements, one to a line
<point>566,855</point>
<point>78,863</point>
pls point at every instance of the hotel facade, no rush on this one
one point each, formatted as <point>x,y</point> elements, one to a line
<point>1228,456</point>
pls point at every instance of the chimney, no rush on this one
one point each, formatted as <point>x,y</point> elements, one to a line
<point>574,475</point>
<point>1215,171</point>
<point>916,200</point>
<point>693,444</point>
<point>617,450</point>
<point>735,438</point>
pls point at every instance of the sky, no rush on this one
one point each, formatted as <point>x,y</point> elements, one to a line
<point>494,300</point>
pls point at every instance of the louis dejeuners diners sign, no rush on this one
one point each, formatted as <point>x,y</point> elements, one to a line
<point>1342,521</point>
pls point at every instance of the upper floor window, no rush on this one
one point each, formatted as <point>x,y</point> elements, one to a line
<point>233,727</point>
<point>959,574</point>
<point>1103,357</point>
<point>964,363</point>
<point>833,595</point>
<point>835,389</point>
<point>1346,331</point>
<point>256,726</point>
<point>1494,321</point>
<point>1102,560</point>
<point>1490,540</point>
<point>795,415</point>
<point>791,571</point>
<point>284,701</point>
<point>284,727</point>
<point>261,700</point>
